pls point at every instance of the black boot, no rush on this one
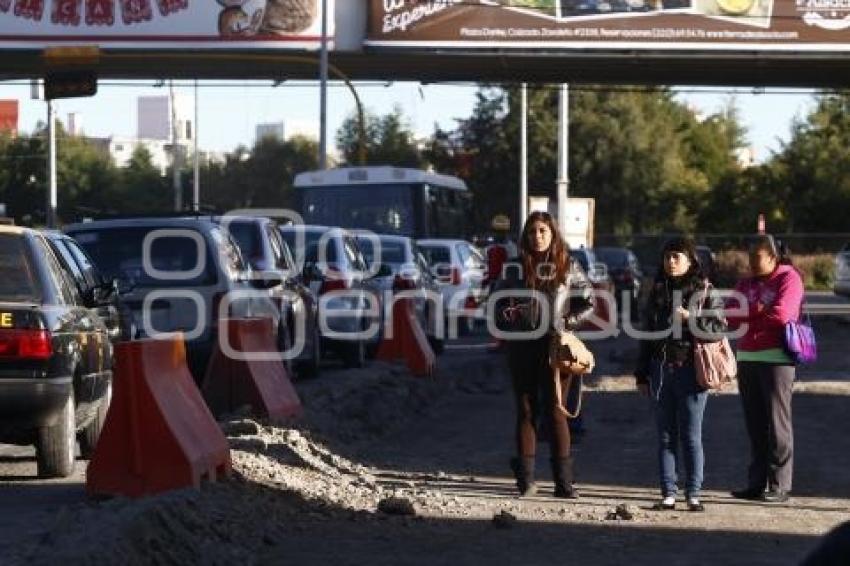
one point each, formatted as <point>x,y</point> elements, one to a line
<point>524,472</point>
<point>562,473</point>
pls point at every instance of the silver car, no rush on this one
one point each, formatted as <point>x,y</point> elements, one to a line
<point>330,262</point>
<point>461,270</point>
<point>402,267</point>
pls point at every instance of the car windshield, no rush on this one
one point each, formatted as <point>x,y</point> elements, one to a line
<point>392,251</point>
<point>118,254</point>
<point>436,254</point>
<point>247,238</point>
<point>613,257</point>
<point>19,283</point>
<point>311,246</point>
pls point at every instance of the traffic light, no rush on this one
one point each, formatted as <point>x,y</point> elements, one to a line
<point>69,84</point>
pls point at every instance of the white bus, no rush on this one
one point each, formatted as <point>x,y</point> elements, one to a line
<point>386,200</point>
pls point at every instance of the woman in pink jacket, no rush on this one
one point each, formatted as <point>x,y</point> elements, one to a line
<point>774,296</point>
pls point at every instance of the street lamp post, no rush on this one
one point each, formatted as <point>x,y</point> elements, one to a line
<point>563,155</point>
<point>51,165</point>
<point>323,91</point>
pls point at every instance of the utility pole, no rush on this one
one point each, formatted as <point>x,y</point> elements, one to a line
<point>196,193</point>
<point>523,160</point>
<point>175,152</point>
<point>563,157</point>
<point>323,91</point>
<point>51,165</point>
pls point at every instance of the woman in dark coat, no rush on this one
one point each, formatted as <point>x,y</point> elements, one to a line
<point>680,302</point>
<point>562,288</point>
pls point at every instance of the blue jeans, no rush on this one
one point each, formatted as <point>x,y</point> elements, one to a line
<point>679,404</point>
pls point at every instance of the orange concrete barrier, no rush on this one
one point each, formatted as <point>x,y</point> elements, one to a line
<point>260,381</point>
<point>408,341</point>
<point>158,435</point>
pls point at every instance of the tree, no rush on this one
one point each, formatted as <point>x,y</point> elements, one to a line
<point>261,178</point>
<point>143,188</point>
<point>389,140</point>
<point>811,169</point>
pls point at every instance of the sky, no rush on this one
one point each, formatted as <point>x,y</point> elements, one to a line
<point>228,114</point>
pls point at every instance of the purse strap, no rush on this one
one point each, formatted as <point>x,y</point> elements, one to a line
<point>559,394</point>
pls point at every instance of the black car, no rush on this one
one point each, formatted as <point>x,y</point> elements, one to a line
<point>55,355</point>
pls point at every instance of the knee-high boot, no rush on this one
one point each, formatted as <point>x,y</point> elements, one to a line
<point>562,473</point>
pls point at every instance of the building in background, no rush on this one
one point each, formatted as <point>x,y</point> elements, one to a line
<point>9,117</point>
<point>154,118</point>
<point>74,126</point>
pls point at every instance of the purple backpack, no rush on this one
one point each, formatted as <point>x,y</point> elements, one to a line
<point>800,339</point>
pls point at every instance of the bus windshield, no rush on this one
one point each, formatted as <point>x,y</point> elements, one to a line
<point>385,209</point>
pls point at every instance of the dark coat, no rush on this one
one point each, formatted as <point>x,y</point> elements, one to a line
<point>657,317</point>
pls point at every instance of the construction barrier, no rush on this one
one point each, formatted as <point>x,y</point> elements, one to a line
<point>158,435</point>
<point>408,341</point>
<point>255,378</point>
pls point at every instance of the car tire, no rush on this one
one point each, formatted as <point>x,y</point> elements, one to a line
<point>354,354</point>
<point>91,433</point>
<point>56,448</point>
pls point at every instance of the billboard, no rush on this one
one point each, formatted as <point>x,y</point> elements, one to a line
<point>9,117</point>
<point>163,24</point>
<point>735,25</point>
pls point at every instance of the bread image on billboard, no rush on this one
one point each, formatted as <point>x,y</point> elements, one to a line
<point>749,12</point>
<point>266,17</point>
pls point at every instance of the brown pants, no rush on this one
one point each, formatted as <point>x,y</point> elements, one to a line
<point>766,396</point>
<point>534,394</point>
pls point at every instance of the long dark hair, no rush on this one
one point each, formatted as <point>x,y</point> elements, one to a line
<point>557,254</point>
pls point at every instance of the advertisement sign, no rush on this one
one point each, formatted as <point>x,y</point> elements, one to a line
<point>764,25</point>
<point>8,117</point>
<point>164,24</point>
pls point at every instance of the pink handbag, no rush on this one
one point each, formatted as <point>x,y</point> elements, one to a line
<point>714,361</point>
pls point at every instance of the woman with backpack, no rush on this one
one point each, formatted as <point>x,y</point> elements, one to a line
<point>682,308</point>
<point>773,296</point>
<point>545,268</point>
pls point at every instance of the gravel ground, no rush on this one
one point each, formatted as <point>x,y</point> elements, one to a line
<point>387,469</point>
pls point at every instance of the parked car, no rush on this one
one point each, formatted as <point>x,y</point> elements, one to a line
<point>269,257</point>
<point>461,271</point>
<point>597,274</point>
<point>95,290</point>
<point>624,269</point>
<point>338,266</point>
<point>405,269</point>
<point>842,272</point>
<point>55,355</point>
<point>194,267</point>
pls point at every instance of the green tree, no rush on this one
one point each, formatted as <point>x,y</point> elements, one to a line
<point>811,169</point>
<point>261,178</point>
<point>389,140</point>
<point>143,189</point>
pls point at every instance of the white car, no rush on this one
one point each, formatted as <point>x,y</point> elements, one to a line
<point>461,270</point>
<point>842,272</point>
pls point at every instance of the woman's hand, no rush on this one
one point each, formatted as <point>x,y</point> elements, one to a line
<point>683,313</point>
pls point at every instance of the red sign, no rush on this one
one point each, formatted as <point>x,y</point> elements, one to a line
<point>9,116</point>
